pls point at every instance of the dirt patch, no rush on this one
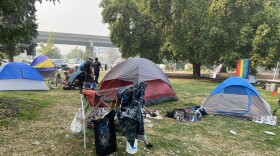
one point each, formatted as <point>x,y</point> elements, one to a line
<point>8,108</point>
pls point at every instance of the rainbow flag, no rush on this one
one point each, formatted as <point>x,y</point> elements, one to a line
<point>242,68</point>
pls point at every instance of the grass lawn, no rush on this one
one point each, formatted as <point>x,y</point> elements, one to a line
<point>38,123</point>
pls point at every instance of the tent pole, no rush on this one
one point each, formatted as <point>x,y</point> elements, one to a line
<point>84,123</point>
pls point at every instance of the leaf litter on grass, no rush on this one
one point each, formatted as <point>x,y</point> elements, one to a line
<point>8,108</point>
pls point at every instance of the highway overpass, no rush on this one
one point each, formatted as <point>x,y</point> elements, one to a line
<point>90,41</point>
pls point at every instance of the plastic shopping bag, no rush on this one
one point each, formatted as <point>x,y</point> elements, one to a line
<point>77,123</point>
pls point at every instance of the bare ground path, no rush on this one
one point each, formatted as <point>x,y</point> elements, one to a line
<point>261,76</point>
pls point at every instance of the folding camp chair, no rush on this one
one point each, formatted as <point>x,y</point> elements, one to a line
<point>96,107</point>
<point>215,74</point>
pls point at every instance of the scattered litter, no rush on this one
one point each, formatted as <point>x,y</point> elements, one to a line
<point>187,114</point>
<point>156,113</point>
<point>171,152</point>
<point>177,151</point>
<point>148,116</point>
<point>270,120</point>
<point>232,132</point>
<point>150,125</point>
<point>270,133</point>
<point>158,117</point>
<point>147,120</point>
<point>35,143</point>
<point>150,113</point>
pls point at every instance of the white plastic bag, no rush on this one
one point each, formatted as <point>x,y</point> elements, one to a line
<point>266,119</point>
<point>77,123</point>
<point>132,150</point>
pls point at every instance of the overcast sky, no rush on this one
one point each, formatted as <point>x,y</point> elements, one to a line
<point>71,16</point>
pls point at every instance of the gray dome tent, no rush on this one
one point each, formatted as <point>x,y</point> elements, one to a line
<point>135,70</point>
<point>236,97</point>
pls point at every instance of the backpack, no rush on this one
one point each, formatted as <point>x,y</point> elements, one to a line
<point>68,87</point>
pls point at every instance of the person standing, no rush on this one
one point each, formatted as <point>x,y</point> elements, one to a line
<point>89,72</point>
<point>97,66</point>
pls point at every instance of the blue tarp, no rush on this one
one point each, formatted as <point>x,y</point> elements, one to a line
<point>19,70</point>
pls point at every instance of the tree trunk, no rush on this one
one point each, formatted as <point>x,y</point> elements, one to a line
<point>196,70</point>
<point>11,52</point>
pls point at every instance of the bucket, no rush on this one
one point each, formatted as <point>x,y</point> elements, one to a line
<point>132,150</point>
<point>273,87</point>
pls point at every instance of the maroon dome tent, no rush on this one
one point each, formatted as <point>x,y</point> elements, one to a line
<point>135,70</point>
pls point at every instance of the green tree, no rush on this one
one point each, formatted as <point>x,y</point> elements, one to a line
<point>18,26</point>
<point>244,29</point>
<point>132,29</point>
<point>266,39</point>
<point>49,48</point>
<point>75,53</point>
<point>218,31</point>
<point>198,31</point>
<point>183,25</point>
<point>85,54</point>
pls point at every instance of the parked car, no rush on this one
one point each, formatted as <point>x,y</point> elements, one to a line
<point>27,61</point>
<point>60,64</point>
<point>75,64</point>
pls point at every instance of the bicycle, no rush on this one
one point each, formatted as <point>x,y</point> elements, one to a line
<point>55,80</point>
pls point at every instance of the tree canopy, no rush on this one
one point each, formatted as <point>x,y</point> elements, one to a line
<point>75,53</point>
<point>132,30</point>
<point>183,24</point>
<point>201,31</point>
<point>49,48</point>
<point>249,29</point>
<point>18,26</point>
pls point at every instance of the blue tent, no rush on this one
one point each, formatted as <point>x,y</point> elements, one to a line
<point>81,66</point>
<point>236,96</point>
<point>78,75</point>
<point>20,76</point>
<point>43,63</point>
<point>236,83</point>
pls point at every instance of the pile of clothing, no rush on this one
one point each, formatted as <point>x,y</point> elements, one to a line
<point>187,114</point>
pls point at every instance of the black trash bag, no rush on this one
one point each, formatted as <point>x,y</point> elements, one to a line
<point>169,114</point>
<point>67,87</point>
<point>105,135</point>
